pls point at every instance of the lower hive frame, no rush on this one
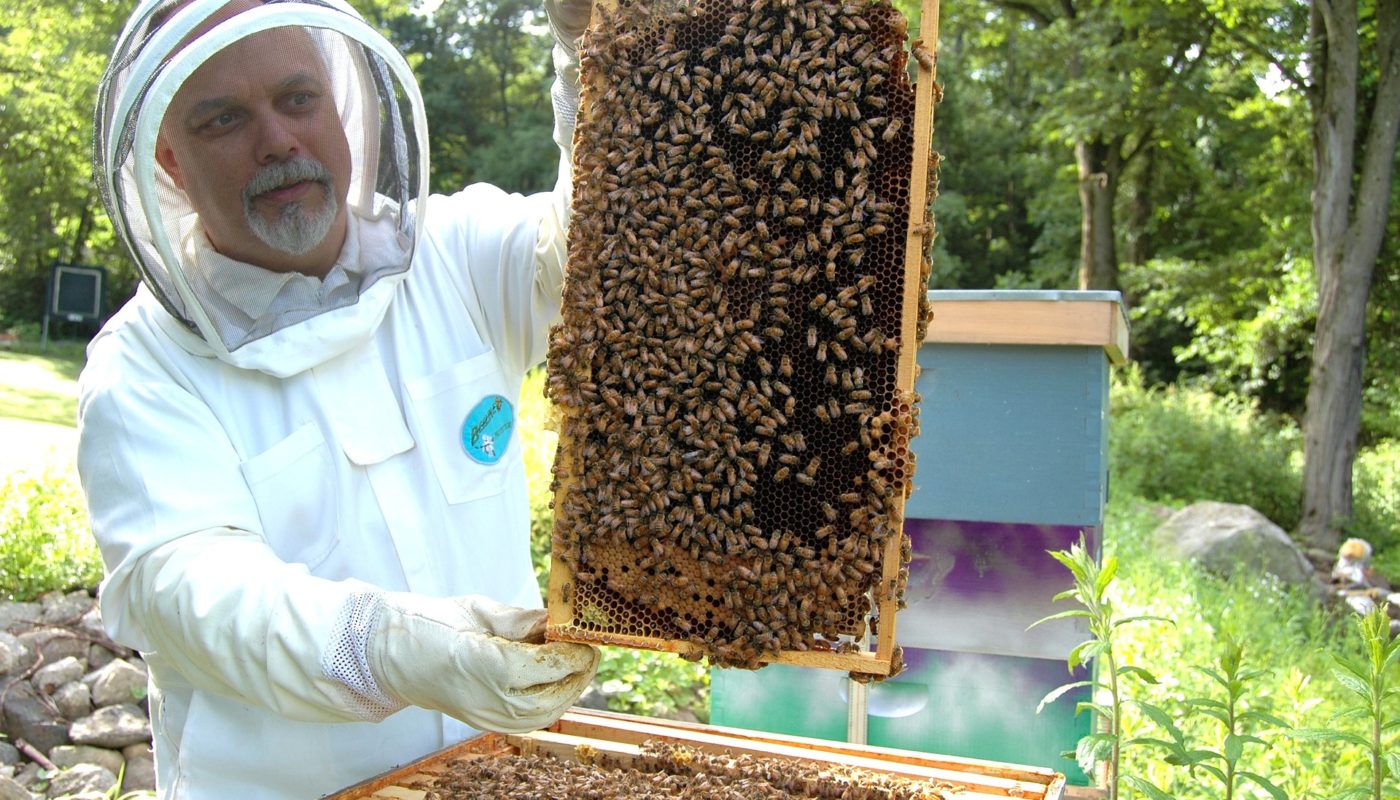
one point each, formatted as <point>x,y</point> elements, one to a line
<point>615,741</point>
<point>656,542</point>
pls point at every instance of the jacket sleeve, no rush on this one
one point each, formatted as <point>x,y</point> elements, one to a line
<point>189,578</point>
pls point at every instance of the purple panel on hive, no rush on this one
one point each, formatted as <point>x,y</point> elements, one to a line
<point>976,586</point>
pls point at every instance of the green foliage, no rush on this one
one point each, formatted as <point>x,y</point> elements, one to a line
<point>1369,680</point>
<point>1091,584</point>
<point>1187,444</point>
<point>51,55</point>
<point>654,684</point>
<point>1222,764</point>
<point>1287,635</point>
<point>1376,484</point>
<point>1228,324</point>
<point>45,543</point>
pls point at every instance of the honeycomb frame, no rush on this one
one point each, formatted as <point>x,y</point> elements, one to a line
<point>674,541</point>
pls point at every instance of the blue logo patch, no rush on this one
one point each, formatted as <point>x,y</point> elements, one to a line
<point>487,429</point>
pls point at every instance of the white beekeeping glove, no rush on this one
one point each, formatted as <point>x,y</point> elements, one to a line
<point>477,660</point>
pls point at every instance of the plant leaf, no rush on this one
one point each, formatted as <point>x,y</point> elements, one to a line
<point>1234,747</point>
<point>1355,684</point>
<point>1162,718</point>
<point>1146,788</point>
<point>1073,612</point>
<point>1261,716</point>
<point>1142,674</point>
<point>1263,783</point>
<point>1058,691</point>
<point>1142,618</point>
<point>1110,568</point>
<point>1326,735</point>
<point>1392,761</point>
<point>1092,749</point>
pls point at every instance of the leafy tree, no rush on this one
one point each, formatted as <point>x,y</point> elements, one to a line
<point>51,56</point>
<point>484,69</point>
<point>1343,61</point>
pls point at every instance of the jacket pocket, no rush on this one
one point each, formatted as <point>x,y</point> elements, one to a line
<point>294,485</point>
<point>464,418</point>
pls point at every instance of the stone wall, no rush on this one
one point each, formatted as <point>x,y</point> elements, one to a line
<point>72,704</point>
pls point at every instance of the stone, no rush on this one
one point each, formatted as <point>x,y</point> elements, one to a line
<point>69,755</point>
<point>64,609</point>
<point>99,656</point>
<point>17,618</point>
<point>54,644</point>
<point>82,781</point>
<point>73,700</point>
<point>113,726</point>
<point>10,789</point>
<point>29,717</point>
<point>11,653</point>
<point>9,754</point>
<point>51,676</point>
<point>118,682</point>
<point>29,775</point>
<point>140,775</point>
<point>1226,538</point>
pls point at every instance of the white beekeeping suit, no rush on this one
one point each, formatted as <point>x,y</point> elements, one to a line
<point>298,440</point>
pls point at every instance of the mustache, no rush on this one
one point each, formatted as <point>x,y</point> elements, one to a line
<point>282,173</point>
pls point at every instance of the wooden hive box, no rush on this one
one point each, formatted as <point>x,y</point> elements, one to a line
<point>735,366</point>
<point>620,742</point>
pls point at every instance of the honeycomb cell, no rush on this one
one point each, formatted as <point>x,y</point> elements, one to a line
<point>733,451</point>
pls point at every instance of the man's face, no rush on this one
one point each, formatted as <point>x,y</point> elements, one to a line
<point>254,140</point>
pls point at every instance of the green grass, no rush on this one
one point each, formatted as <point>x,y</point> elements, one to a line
<point>40,387</point>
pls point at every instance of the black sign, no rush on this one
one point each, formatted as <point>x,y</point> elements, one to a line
<point>75,292</point>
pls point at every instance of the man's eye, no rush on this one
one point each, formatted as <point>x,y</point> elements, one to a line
<point>301,99</point>
<point>221,121</point>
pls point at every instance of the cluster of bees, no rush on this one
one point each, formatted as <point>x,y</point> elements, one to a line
<point>734,439</point>
<point>672,771</point>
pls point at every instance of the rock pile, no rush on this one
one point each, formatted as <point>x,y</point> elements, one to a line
<point>73,708</point>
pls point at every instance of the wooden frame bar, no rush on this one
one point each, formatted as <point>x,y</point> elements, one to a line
<point>617,738</point>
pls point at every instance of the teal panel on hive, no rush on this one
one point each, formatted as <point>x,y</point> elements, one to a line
<point>980,706</point>
<point>1011,433</point>
<point>799,701</point>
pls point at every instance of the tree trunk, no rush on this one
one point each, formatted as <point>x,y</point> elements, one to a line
<point>1140,210</point>
<point>1099,165</point>
<point>1346,242</point>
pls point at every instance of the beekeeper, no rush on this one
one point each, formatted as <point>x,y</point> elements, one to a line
<point>299,440</point>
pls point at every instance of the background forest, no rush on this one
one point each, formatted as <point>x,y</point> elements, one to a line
<point>1226,164</point>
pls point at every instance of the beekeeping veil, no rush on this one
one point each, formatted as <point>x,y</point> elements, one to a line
<point>380,110</point>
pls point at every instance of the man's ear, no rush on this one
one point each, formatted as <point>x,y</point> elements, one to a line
<point>165,156</point>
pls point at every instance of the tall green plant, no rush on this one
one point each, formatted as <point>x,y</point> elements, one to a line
<point>1369,680</point>
<point>1224,764</point>
<point>1091,583</point>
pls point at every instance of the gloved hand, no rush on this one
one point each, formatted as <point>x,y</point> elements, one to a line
<point>477,660</point>
<point>568,19</point>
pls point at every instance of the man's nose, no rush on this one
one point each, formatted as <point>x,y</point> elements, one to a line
<point>276,140</point>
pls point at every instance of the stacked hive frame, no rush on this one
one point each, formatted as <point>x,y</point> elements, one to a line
<point>735,365</point>
<point>635,756</point>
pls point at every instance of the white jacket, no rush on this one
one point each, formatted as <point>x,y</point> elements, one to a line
<point>352,471</point>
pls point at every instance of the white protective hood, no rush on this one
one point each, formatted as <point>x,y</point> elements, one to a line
<point>381,111</point>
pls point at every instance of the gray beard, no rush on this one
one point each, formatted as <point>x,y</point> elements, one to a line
<point>294,231</point>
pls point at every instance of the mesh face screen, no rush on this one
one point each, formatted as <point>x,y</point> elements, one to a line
<point>734,441</point>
